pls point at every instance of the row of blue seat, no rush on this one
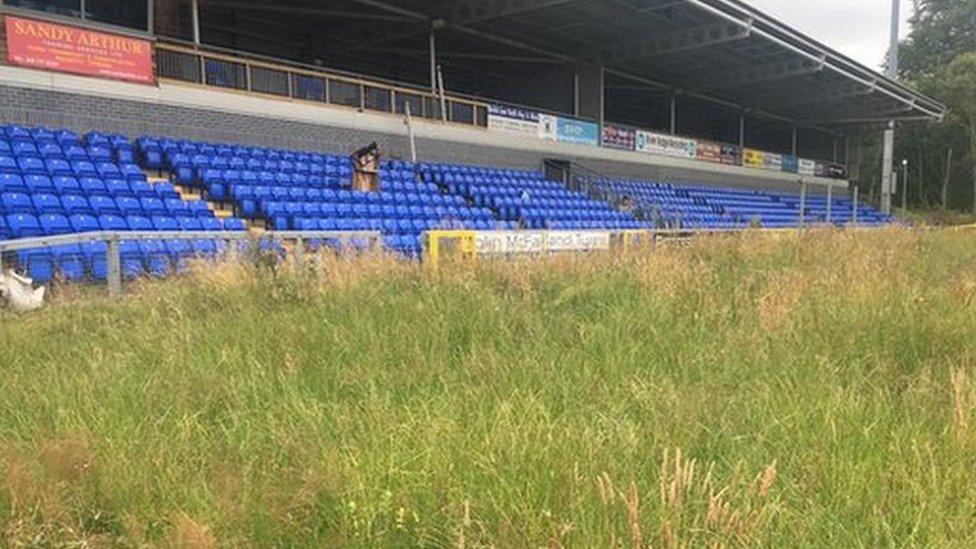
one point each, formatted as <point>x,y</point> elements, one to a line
<point>84,185</point>
<point>27,226</point>
<point>37,204</point>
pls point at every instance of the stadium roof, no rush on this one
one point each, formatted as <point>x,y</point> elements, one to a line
<point>720,50</point>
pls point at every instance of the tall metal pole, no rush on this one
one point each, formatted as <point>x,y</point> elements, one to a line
<point>904,186</point>
<point>742,130</point>
<point>830,205</point>
<point>150,16</point>
<point>440,84</point>
<point>433,61</point>
<point>674,114</point>
<point>889,134</point>
<point>195,14</point>
<point>410,134</point>
<point>803,202</point>
<point>855,205</point>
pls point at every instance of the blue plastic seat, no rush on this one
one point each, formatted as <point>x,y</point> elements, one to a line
<point>16,203</point>
<point>58,167</point>
<point>23,225</point>
<point>156,257</point>
<point>111,222</point>
<point>118,187</point>
<point>165,191</point>
<point>94,254</point>
<point>46,204</point>
<point>8,165</point>
<point>39,264</point>
<point>11,182</point>
<point>139,223</point>
<point>70,260</point>
<point>30,165</point>
<point>128,206</point>
<point>83,223</point>
<point>165,223</point>
<point>141,189</point>
<point>54,224</point>
<point>153,206</point>
<point>84,168</point>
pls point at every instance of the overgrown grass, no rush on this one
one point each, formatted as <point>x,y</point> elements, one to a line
<point>757,390</point>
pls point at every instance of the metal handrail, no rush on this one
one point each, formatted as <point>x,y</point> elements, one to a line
<point>114,238</point>
<point>291,70</point>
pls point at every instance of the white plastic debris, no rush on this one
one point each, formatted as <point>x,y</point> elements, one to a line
<point>17,293</point>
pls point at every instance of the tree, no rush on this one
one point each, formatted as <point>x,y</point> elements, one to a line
<point>943,31</point>
<point>958,82</point>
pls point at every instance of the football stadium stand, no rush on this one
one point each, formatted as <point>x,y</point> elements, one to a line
<point>701,207</point>
<point>55,182</point>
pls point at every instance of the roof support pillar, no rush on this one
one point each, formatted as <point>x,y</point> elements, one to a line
<point>793,146</point>
<point>674,114</point>
<point>742,130</point>
<point>588,92</point>
<point>195,15</point>
<point>433,60</point>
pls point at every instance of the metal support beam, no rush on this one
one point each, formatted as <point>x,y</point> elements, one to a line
<point>674,114</point>
<point>433,61</point>
<point>113,263</point>
<point>742,131</point>
<point>763,73</point>
<point>830,205</point>
<point>686,40</point>
<point>803,203</point>
<point>150,16</point>
<point>817,98</point>
<point>793,147</point>
<point>195,17</point>
<point>392,9</point>
<point>307,12</point>
<point>466,12</point>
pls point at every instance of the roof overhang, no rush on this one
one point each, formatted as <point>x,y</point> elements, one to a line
<point>722,51</point>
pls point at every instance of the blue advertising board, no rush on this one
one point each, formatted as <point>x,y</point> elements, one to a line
<point>579,132</point>
<point>791,164</point>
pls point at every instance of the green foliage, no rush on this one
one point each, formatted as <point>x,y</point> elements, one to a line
<point>774,391</point>
<point>934,59</point>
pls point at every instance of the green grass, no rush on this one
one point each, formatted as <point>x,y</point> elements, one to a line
<point>774,391</point>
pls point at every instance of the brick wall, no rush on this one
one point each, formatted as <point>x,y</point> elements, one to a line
<point>83,113</point>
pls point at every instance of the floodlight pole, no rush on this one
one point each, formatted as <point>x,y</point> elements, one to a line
<point>887,167</point>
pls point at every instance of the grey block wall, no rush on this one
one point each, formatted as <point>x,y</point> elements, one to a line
<point>83,113</point>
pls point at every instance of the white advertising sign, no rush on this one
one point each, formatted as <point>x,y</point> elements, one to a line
<point>666,145</point>
<point>570,241</point>
<point>534,242</point>
<point>807,167</point>
<point>513,120</point>
<point>500,242</point>
<point>548,127</point>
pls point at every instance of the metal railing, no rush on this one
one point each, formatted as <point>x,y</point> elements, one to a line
<point>245,74</point>
<point>372,240</point>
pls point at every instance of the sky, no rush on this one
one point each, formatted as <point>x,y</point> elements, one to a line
<point>856,28</point>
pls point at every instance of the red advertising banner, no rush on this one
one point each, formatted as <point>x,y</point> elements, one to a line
<point>62,48</point>
<point>707,151</point>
